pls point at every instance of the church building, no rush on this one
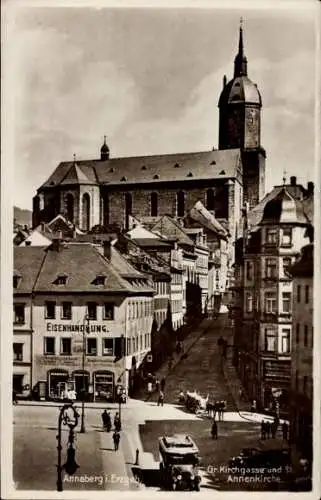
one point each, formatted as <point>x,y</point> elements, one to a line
<point>107,191</point>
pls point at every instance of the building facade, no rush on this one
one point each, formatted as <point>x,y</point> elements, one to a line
<point>71,297</point>
<point>302,353</point>
<point>264,292</point>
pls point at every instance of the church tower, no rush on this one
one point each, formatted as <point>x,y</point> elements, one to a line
<point>240,106</point>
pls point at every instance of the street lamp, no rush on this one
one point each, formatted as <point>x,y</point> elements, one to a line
<point>68,415</point>
<point>82,426</point>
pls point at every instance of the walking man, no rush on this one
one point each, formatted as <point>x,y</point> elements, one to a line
<point>214,430</point>
<point>116,439</point>
<point>160,401</point>
<point>162,384</point>
<point>268,429</point>
<point>157,384</point>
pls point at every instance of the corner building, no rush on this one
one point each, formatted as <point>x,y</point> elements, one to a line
<point>109,190</point>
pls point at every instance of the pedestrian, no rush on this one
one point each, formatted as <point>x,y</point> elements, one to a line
<point>285,431</point>
<point>253,407</point>
<point>263,429</point>
<point>274,428</point>
<point>116,439</point>
<point>223,409</point>
<point>214,430</point>
<point>104,417</point>
<point>162,384</point>
<point>149,388</point>
<point>157,384</point>
<point>217,410</point>
<point>160,401</point>
<point>117,423</point>
<point>268,429</point>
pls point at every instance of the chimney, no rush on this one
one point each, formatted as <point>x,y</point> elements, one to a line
<point>293,180</point>
<point>310,187</point>
<point>107,249</point>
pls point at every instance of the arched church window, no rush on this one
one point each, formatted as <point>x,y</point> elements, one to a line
<point>105,209</point>
<point>210,199</point>
<point>128,204</point>
<point>86,212</point>
<point>180,204</point>
<point>70,207</point>
<point>154,204</point>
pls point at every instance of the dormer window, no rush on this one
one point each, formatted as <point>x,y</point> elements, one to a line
<point>100,279</point>
<point>61,279</point>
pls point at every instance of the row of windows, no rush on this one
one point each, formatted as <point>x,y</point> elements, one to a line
<point>139,309</point>
<point>180,203</point>
<point>65,312</point>
<point>271,268</point>
<point>177,279</point>
<point>271,340</point>
<point>162,288</point>
<point>270,302</point>
<point>271,236</point>
<point>299,294</point>
<point>110,346</point>
<point>176,306</point>
<point>303,329</point>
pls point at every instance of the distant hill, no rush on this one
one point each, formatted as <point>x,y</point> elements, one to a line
<point>22,216</point>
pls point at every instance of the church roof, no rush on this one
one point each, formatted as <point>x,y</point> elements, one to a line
<point>217,164</point>
<point>240,90</point>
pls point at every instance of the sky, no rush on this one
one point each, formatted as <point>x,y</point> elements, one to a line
<point>149,79</point>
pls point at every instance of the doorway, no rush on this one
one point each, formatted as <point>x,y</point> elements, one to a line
<point>81,383</point>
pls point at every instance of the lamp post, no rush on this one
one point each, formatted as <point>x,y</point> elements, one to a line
<point>68,415</point>
<point>85,324</point>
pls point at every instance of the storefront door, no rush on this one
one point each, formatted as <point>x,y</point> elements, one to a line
<point>81,383</point>
<point>104,386</point>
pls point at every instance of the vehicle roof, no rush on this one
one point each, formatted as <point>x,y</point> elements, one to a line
<point>178,443</point>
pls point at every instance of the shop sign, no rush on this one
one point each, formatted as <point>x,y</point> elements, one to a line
<point>99,360</point>
<point>58,361</point>
<point>76,328</point>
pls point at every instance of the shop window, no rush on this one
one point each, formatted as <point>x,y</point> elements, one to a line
<point>271,268</point>
<point>108,347</point>
<point>17,351</point>
<point>92,310</point>
<point>108,311</point>
<point>270,302</point>
<point>271,236</point>
<point>286,302</point>
<point>65,347</point>
<point>270,340</point>
<point>66,310</point>
<point>19,314</point>
<point>49,347</point>
<point>91,347</point>
<point>50,310</point>
<point>285,340</point>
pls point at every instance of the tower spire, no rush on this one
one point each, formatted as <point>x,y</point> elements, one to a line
<point>240,62</point>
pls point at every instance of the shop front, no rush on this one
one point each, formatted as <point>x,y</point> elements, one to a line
<point>21,381</point>
<point>276,386</point>
<point>104,385</point>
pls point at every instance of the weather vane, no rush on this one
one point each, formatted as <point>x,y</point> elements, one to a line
<point>241,22</point>
<point>284,176</point>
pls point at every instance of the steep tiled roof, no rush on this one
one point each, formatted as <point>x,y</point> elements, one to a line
<point>122,266</point>
<point>146,169</point>
<point>172,230</point>
<point>200,214</point>
<point>27,263</point>
<point>80,262</point>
